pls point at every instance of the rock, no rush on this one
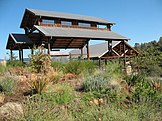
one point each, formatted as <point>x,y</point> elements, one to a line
<point>11,110</point>
<point>2,97</point>
<point>96,102</point>
<point>100,101</point>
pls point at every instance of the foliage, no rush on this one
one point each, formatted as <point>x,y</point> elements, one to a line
<point>15,63</point>
<point>40,62</point>
<point>8,84</point>
<point>88,66</point>
<point>57,66</point>
<point>113,70</point>
<point>143,89</point>
<point>2,69</point>
<point>150,58</point>
<point>62,94</point>
<point>54,76</point>
<point>74,67</point>
<point>39,84</point>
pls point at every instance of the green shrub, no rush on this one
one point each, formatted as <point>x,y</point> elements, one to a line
<point>113,70</point>
<point>2,68</point>
<point>7,85</point>
<point>89,66</point>
<point>95,83</point>
<point>15,63</point>
<point>143,89</point>
<point>57,66</point>
<point>42,108</point>
<point>60,94</point>
<point>74,67</point>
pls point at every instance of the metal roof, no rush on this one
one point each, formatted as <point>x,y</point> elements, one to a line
<point>18,39</point>
<point>96,50</point>
<point>68,16</point>
<point>79,33</point>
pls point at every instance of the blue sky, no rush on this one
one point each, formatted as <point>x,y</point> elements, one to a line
<point>139,20</point>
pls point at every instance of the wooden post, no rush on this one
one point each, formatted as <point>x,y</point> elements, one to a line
<point>105,61</point>
<point>49,47</point>
<point>124,54</point>
<point>11,55</point>
<point>22,55</point>
<point>110,47</point>
<point>32,51</point>
<point>81,53</point>
<point>19,54</point>
<point>99,63</point>
<point>88,56</point>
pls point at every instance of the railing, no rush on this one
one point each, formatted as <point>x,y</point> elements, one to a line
<point>72,26</point>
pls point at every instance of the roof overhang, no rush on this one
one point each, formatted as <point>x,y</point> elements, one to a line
<point>79,33</point>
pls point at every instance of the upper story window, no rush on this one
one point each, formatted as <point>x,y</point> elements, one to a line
<point>84,24</point>
<point>66,23</point>
<point>46,21</point>
<point>102,26</point>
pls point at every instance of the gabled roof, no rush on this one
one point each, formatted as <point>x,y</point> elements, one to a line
<point>43,13</point>
<point>96,50</point>
<point>79,33</point>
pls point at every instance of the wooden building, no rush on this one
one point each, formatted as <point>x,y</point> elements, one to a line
<point>57,30</point>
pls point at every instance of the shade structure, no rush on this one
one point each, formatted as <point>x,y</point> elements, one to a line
<point>79,33</point>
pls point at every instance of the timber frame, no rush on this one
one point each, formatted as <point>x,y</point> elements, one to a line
<point>56,30</point>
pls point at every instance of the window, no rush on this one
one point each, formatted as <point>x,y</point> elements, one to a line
<point>66,23</point>
<point>84,24</point>
<point>46,21</point>
<point>102,26</point>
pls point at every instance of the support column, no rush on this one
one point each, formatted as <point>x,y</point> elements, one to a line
<point>22,55</point>
<point>99,63</point>
<point>81,53</point>
<point>124,54</point>
<point>49,48</point>
<point>32,51</point>
<point>11,55</point>
<point>88,56</point>
<point>110,47</point>
<point>19,54</point>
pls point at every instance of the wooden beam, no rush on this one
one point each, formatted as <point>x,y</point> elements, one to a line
<point>11,54</point>
<point>88,54</point>
<point>69,43</point>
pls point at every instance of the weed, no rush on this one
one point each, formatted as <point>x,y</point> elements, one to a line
<point>8,84</point>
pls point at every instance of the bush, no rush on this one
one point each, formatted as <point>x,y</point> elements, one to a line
<point>7,84</point>
<point>40,62</point>
<point>2,68</point>
<point>74,67</point>
<point>57,66</point>
<point>63,94</point>
<point>39,84</point>
<point>113,70</point>
<point>89,66</point>
<point>15,63</point>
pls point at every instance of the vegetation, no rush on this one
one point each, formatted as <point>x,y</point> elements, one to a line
<point>91,94</point>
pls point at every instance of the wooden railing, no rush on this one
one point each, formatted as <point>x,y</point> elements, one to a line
<point>72,26</point>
